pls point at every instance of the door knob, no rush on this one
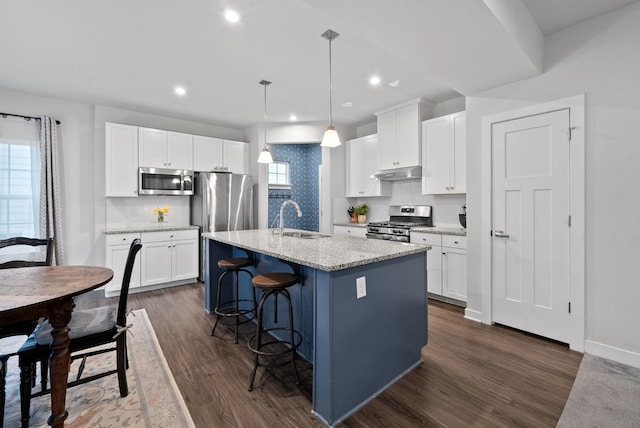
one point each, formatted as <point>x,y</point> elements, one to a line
<point>500,234</point>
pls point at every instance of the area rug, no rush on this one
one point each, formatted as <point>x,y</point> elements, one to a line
<point>153,401</point>
<point>604,394</point>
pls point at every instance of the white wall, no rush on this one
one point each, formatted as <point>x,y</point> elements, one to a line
<point>76,139</point>
<point>601,58</point>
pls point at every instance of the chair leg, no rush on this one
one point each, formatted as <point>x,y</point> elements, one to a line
<point>44,373</point>
<point>256,362</point>
<point>237,304</point>
<point>3,375</point>
<point>121,362</point>
<point>26,372</point>
<point>217,307</point>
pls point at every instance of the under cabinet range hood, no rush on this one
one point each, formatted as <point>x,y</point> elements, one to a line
<point>396,174</point>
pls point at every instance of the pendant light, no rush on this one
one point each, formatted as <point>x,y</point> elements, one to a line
<point>265,154</point>
<point>330,138</point>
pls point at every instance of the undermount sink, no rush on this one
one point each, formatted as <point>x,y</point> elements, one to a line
<point>305,235</point>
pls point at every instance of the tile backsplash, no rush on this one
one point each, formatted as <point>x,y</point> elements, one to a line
<point>407,192</point>
<point>126,212</point>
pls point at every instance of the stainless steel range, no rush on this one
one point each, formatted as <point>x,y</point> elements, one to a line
<point>402,219</point>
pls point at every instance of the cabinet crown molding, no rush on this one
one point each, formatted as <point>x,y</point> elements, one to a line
<point>413,101</point>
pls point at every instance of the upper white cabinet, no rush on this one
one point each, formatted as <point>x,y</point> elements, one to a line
<point>121,155</point>
<point>207,153</point>
<point>215,154</point>
<point>234,156</point>
<point>165,149</point>
<point>399,130</point>
<point>444,155</point>
<point>362,161</point>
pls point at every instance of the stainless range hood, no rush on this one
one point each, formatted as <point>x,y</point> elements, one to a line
<point>406,173</point>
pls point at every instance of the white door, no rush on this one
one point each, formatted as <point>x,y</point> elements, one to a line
<point>530,251</point>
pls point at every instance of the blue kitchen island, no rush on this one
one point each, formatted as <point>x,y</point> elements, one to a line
<point>361,307</point>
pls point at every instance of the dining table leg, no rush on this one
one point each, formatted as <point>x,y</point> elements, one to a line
<point>59,314</point>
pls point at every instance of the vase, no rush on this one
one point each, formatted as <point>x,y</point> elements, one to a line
<point>362,218</point>
<point>160,217</point>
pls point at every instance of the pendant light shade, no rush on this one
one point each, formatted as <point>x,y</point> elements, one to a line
<point>265,154</point>
<point>330,138</point>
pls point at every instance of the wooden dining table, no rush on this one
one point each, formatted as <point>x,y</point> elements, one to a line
<point>33,292</point>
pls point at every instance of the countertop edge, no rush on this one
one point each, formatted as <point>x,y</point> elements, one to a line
<point>417,248</point>
<point>141,229</point>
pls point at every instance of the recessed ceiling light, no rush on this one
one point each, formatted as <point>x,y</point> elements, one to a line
<point>179,90</point>
<point>293,118</point>
<point>347,104</point>
<point>231,15</point>
<point>375,80</point>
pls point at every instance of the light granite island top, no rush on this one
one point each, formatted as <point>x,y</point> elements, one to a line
<point>360,307</point>
<point>328,252</point>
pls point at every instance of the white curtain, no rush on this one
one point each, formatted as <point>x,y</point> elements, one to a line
<point>50,190</point>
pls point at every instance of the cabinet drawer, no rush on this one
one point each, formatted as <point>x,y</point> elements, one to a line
<point>169,235</point>
<point>434,239</point>
<point>121,238</point>
<point>454,241</point>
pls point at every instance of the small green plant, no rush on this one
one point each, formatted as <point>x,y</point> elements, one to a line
<point>362,209</point>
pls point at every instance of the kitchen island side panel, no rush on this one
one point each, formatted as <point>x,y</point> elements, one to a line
<point>363,345</point>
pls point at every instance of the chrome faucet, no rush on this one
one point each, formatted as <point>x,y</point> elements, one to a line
<point>284,204</point>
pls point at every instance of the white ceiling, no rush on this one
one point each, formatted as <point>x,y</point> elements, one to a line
<point>130,54</point>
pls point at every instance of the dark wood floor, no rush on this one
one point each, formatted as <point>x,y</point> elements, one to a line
<point>472,374</point>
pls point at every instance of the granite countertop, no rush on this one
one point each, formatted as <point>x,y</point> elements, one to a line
<point>148,228</point>
<point>351,224</point>
<point>330,253</point>
<point>458,231</point>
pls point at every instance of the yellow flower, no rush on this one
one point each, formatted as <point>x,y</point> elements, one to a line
<point>155,211</point>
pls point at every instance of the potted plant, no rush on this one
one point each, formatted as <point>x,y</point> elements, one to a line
<point>361,211</point>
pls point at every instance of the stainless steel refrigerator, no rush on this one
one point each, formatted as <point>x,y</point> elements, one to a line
<point>221,201</point>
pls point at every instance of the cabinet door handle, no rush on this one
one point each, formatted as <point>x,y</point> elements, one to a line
<point>455,242</point>
<point>500,234</point>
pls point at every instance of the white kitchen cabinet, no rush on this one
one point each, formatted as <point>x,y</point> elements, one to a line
<point>216,154</point>
<point>446,264</point>
<point>399,134</point>
<point>444,155</point>
<point>121,155</point>
<point>207,153</point>
<point>117,253</point>
<point>169,256</point>
<point>357,231</point>
<point>362,162</point>
<point>165,149</point>
<point>235,156</point>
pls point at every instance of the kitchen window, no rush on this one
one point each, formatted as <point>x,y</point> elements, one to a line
<point>279,175</point>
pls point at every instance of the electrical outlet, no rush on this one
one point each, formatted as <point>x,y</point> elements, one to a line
<point>361,287</point>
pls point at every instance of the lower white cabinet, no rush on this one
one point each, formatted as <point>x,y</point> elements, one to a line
<point>117,252</point>
<point>446,264</point>
<point>169,256</point>
<point>357,231</point>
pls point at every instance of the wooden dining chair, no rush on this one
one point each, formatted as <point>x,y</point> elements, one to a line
<point>42,256</point>
<point>88,329</point>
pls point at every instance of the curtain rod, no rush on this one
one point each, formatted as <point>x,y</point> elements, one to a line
<point>24,117</point>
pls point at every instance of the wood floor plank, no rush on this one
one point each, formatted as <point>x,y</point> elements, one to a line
<point>473,375</point>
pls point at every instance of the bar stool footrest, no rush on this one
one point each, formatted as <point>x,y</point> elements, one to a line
<point>224,310</point>
<point>274,340</point>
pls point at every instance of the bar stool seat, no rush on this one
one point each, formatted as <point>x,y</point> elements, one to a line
<point>274,284</point>
<point>231,308</point>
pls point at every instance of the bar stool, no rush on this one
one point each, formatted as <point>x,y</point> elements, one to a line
<point>274,284</point>
<point>231,308</point>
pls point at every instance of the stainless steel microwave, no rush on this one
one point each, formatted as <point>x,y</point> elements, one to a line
<point>158,181</point>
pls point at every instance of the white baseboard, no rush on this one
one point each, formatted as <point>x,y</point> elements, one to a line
<point>472,315</point>
<point>612,353</point>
